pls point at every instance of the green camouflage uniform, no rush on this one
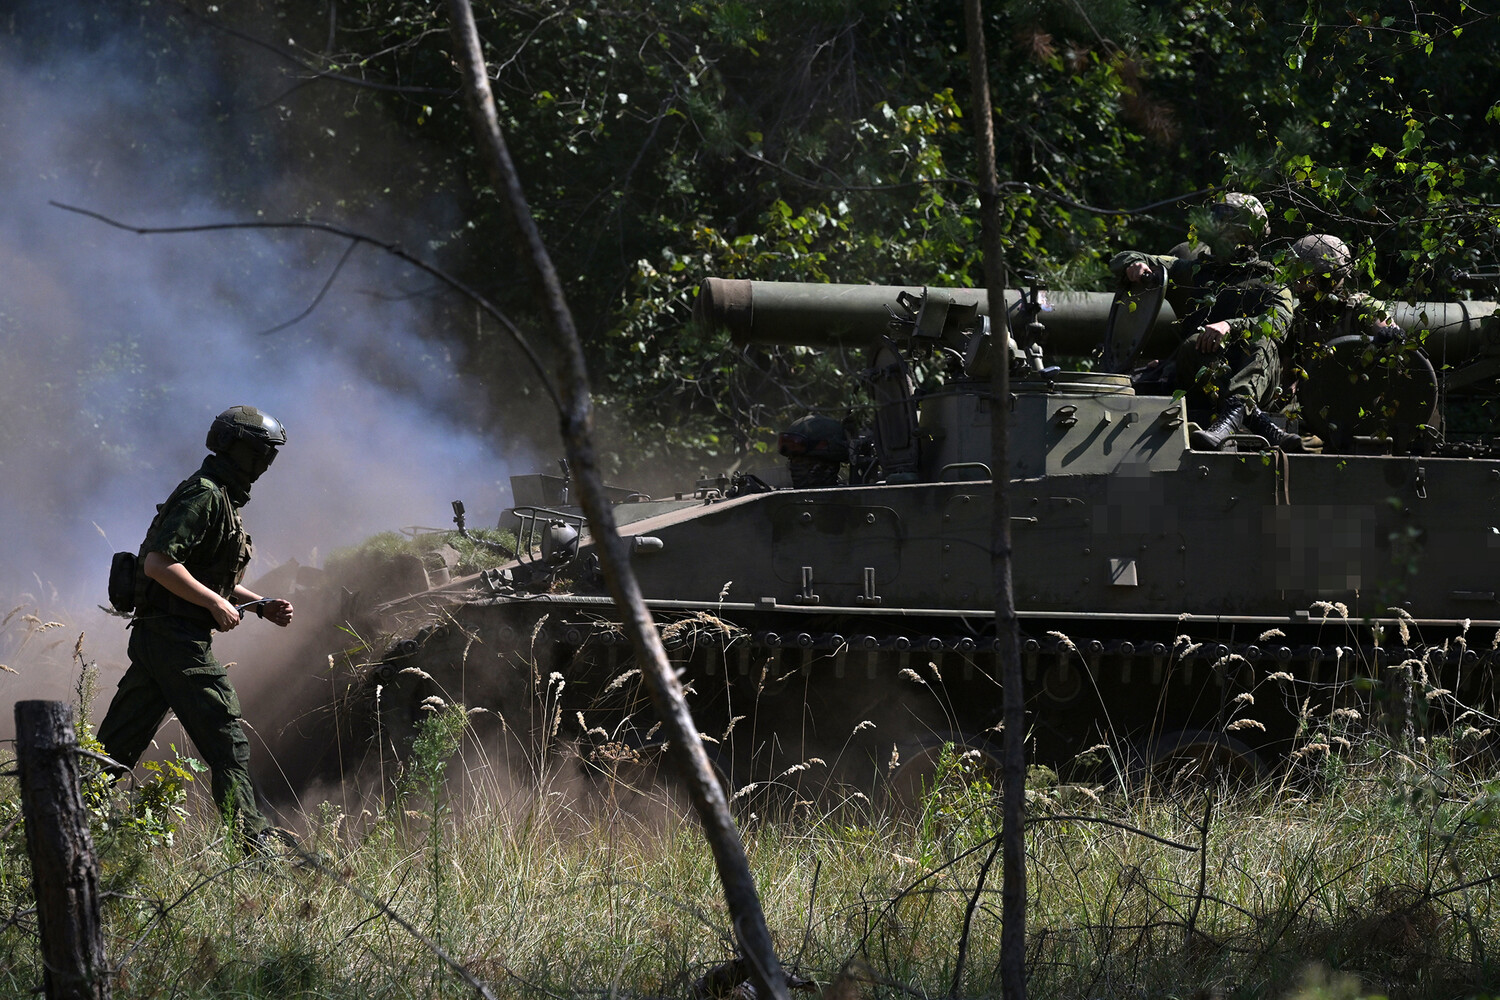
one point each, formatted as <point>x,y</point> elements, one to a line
<point>1243,292</point>
<point>171,664</point>
<point>1326,316</point>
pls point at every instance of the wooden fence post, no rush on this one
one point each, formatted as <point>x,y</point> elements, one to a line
<point>64,873</point>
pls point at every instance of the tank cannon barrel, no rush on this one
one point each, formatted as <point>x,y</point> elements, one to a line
<point>1459,330</point>
<point>822,315</point>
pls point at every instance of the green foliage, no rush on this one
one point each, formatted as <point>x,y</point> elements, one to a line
<point>148,814</point>
<point>827,140</point>
<point>960,806</point>
<point>387,546</point>
<point>439,735</point>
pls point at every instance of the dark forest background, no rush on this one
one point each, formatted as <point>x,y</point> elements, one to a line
<point>820,140</point>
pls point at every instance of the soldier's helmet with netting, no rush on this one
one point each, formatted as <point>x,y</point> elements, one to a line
<point>815,437</point>
<point>1323,254</point>
<point>1240,217</point>
<point>814,447</point>
<point>263,432</point>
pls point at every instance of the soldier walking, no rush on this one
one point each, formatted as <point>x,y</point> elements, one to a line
<point>187,585</point>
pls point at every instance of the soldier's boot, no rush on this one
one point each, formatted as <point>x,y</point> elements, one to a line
<point>1260,422</point>
<point>1231,419</point>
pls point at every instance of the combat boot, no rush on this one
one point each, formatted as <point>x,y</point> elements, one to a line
<point>1260,422</point>
<point>1231,419</point>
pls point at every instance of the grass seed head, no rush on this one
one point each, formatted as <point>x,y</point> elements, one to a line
<point>745,790</point>
<point>619,681</point>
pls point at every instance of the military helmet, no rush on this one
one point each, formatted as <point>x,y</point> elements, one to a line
<point>1240,216</point>
<point>245,423</point>
<point>1323,254</point>
<point>817,437</point>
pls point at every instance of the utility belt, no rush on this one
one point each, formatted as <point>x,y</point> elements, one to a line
<point>160,599</point>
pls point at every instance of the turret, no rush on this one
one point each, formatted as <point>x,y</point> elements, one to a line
<point>945,332</point>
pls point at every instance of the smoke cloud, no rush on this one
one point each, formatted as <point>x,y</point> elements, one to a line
<point>118,349</point>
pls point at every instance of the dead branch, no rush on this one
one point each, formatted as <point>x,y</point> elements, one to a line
<point>394,249</point>
<point>1103,821</point>
<point>1007,630</point>
<point>963,938</point>
<point>708,799</point>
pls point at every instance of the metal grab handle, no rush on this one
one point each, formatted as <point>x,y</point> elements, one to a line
<point>942,474</point>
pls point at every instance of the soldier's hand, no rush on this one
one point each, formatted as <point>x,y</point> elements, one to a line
<point>277,612</point>
<point>1212,337</point>
<point>225,617</point>
<point>1137,272</point>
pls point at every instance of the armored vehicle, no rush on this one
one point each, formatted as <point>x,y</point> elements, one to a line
<point>1172,602</point>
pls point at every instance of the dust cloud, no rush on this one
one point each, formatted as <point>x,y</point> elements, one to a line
<point>116,350</point>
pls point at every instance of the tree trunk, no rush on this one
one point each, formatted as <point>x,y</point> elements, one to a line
<point>666,693</point>
<point>64,873</point>
<point>1007,647</point>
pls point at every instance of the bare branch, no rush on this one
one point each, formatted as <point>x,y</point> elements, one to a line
<point>1102,821</point>
<point>740,895</point>
<point>394,249</point>
<point>318,74</point>
<point>321,292</point>
<point>963,938</point>
<point>462,971</point>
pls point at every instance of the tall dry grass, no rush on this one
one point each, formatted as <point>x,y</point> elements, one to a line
<point>1366,865</point>
<point>1381,866</point>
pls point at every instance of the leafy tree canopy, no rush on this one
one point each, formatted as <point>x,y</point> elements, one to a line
<point>828,140</point>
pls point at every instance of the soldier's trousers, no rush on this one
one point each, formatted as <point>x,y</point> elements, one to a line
<point>171,669</point>
<point>1248,369</point>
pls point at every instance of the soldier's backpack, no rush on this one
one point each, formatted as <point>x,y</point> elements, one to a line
<point>122,582</point>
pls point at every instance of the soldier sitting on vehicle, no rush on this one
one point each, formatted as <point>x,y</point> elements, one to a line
<point>1232,313</point>
<point>1318,272</point>
<point>815,447</point>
